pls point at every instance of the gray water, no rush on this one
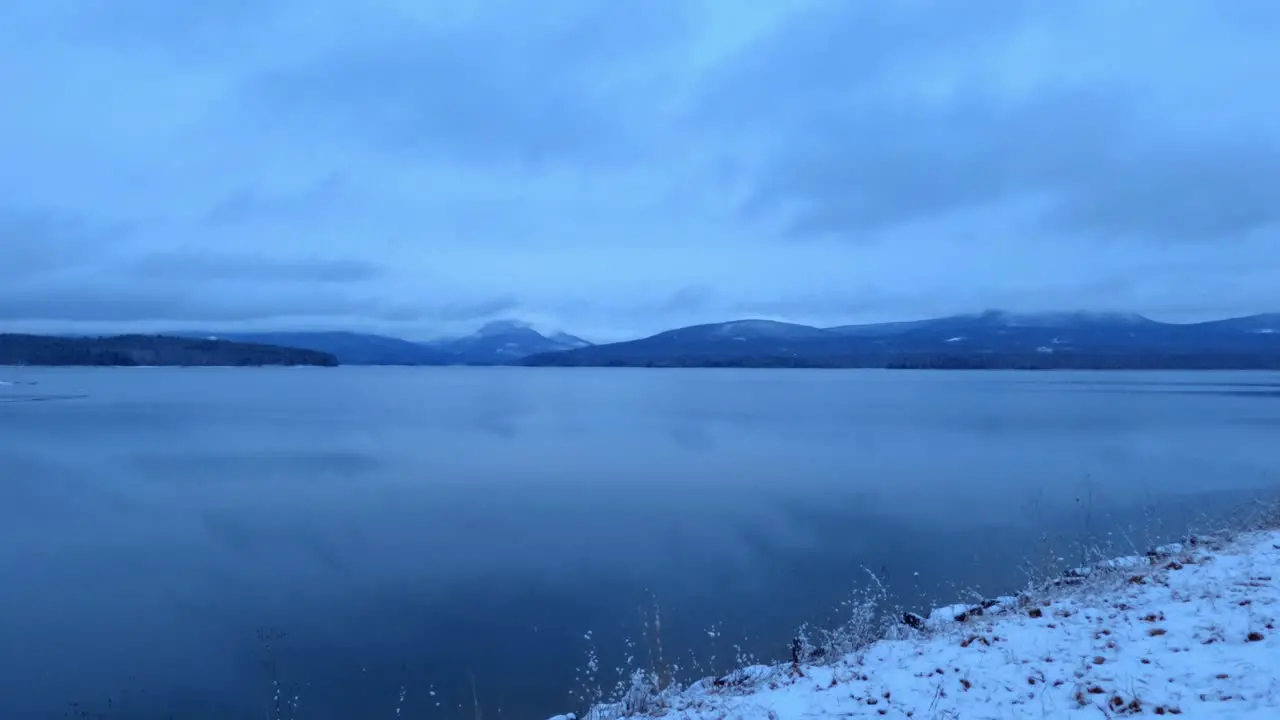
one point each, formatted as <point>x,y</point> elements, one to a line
<point>172,541</point>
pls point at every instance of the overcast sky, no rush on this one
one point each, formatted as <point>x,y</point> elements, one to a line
<point>617,167</point>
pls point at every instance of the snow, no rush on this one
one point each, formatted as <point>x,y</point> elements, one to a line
<point>569,341</point>
<point>1057,319</point>
<point>743,329</point>
<point>1186,630</point>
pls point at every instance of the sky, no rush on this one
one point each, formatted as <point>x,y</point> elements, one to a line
<point>618,168</point>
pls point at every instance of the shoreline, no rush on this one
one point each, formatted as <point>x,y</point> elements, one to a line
<point>1189,628</point>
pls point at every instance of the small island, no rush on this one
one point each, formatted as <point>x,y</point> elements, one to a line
<point>150,350</point>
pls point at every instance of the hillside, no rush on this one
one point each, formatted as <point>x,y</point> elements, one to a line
<point>993,339</point>
<point>504,342</point>
<point>134,350</point>
<point>348,347</point>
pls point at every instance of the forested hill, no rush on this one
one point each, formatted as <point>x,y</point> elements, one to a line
<point>989,340</point>
<point>134,350</point>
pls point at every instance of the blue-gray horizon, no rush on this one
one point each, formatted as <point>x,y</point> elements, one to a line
<point>618,169</point>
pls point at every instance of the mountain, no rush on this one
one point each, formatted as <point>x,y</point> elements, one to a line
<point>742,331</point>
<point>133,350</point>
<point>349,348</point>
<point>1265,324</point>
<point>714,343</point>
<point>504,342</point>
<point>1007,333</point>
<point>878,329</point>
<point>570,342</point>
<point>994,338</point>
<point>1074,319</point>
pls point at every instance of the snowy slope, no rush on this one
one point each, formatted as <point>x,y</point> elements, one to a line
<point>505,342</point>
<point>1061,319</point>
<point>994,338</point>
<point>1191,633</point>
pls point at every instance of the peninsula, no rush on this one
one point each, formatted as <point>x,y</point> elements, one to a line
<point>140,350</point>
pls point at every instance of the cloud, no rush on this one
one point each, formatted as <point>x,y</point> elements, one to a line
<point>120,300</point>
<point>186,31</point>
<point>36,242</point>
<point>61,267</point>
<point>492,84</point>
<point>872,116</point>
<point>207,265</point>
<point>245,204</point>
<point>470,311</point>
<point>621,168</point>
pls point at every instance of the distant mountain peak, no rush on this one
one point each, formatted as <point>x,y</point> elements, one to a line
<point>1262,323</point>
<point>505,341</point>
<point>568,340</point>
<point>502,327</point>
<point>758,326</point>
<point>755,327</point>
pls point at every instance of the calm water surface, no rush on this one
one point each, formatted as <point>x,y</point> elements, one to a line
<point>173,539</point>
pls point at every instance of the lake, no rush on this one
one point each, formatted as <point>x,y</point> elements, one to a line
<point>175,541</point>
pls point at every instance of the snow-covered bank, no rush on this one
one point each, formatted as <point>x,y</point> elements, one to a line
<point>1190,630</point>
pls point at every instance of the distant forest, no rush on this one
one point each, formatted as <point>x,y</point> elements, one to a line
<point>929,361</point>
<point>135,350</point>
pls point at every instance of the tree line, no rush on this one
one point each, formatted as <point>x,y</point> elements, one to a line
<point>136,350</point>
<point>941,361</point>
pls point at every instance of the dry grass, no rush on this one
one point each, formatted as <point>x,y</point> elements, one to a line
<point>840,648</point>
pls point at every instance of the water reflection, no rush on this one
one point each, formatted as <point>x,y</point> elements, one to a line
<point>434,528</point>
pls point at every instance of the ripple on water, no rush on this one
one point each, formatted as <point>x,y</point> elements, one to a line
<point>39,398</point>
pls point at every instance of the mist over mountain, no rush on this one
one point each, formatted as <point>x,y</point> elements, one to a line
<point>502,342</point>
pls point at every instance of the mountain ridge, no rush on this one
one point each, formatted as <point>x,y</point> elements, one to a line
<point>500,342</point>
<point>504,342</point>
<point>987,338</point>
<point>993,338</point>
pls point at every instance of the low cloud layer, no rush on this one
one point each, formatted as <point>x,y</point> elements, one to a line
<point>616,169</point>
